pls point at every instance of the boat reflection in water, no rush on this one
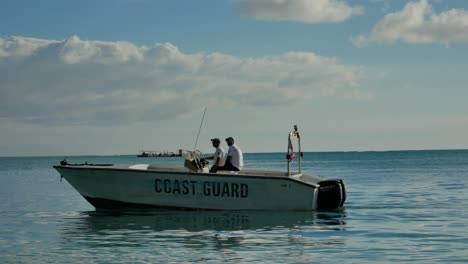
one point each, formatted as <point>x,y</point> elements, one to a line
<point>190,229</point>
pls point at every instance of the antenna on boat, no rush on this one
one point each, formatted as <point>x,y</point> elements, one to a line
<point>199,129</point>
<point>290,153</point>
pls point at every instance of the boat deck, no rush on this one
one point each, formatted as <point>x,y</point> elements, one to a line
<point>254,173</point>
<point>183,169</point>
<point>313,180</point>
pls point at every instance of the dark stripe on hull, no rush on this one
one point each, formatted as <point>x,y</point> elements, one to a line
<point>100,203</point>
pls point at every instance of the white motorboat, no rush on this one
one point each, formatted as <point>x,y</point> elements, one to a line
<point>193,187</point>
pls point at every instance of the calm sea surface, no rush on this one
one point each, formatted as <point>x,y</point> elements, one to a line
<point>403,206</point>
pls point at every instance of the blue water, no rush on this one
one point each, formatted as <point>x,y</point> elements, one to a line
<point>403,206</point>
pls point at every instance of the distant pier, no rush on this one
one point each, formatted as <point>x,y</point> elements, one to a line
<point>153,153</point>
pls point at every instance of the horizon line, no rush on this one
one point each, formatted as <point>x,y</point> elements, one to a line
<point>265,152</point>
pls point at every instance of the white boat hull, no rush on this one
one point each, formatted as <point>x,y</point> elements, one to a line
<point>177,188</point>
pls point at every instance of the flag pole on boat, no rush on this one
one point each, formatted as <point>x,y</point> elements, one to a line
<point>199,129</point>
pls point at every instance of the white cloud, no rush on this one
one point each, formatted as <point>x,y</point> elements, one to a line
<point>75,51</point>
<point>78,82</point>
<point>306,11</point>
<point>418,23</point>
<point>20,46</point>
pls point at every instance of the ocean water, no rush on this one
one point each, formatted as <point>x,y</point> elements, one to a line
<point>402,207</point>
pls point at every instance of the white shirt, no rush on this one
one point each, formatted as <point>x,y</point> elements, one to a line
<point>219,153</point>
<point>237,159</point>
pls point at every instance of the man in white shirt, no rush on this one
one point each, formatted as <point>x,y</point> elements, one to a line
<point>218,156</point>
<point>234,160</point>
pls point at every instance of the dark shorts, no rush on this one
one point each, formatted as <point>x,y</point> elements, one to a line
<point>228,167</point>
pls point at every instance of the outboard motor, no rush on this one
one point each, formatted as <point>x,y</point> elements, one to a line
<point>331,194</point>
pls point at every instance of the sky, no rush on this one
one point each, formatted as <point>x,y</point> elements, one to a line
<point>111,77</point>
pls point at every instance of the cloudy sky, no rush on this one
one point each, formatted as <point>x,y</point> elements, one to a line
<point>116,76</point>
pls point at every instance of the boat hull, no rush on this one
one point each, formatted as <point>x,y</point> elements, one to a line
<point>118,188</point>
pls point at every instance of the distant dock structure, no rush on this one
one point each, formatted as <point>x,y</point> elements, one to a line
<point>153,153</point>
